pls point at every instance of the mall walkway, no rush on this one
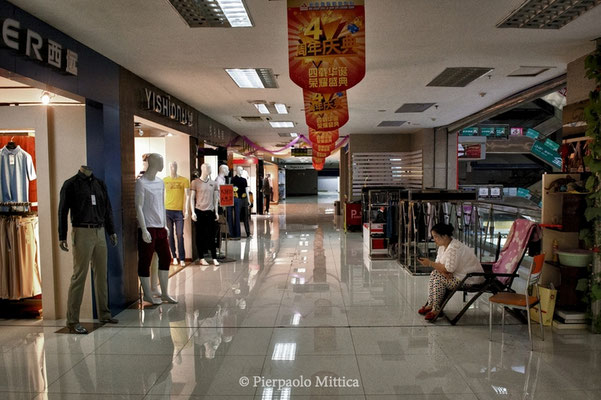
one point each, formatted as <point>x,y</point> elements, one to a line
<point>301,302</point>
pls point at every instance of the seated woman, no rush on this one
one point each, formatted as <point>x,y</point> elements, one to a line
<point>454,261</point>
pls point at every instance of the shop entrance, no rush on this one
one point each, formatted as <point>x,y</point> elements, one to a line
<point>174,147</point>
<point>37,129</point>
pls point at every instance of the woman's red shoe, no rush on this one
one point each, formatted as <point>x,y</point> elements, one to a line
<point>431,315</point>
<point>424,310</point>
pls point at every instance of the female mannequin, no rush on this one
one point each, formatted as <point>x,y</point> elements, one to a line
<point>203,202</point>
<point>153,233</point>
<point>241,192</point>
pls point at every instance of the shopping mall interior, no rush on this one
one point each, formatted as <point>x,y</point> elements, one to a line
<point>281,199</point>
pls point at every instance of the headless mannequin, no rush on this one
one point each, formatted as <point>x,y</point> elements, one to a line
<point>87,171</point>
<point>155,165</point>
<point>205,176</point>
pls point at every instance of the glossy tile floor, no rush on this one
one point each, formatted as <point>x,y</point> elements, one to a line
<point>303,304</point>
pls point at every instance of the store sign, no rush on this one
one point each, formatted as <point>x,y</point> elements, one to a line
<point>547,153</point>
<point>471,131</point>
<point>163,105</point>
<point>531,133</point>
<point>301,152</point>
<point>471,148</point>
<point>487,131</point>
<point>517,131</point>
<point>32,45</point>
<point>525,193</point>
<point>326,44</point>
<point>226,195</point>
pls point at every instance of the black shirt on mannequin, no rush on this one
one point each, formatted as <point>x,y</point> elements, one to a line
<point>87,198</point>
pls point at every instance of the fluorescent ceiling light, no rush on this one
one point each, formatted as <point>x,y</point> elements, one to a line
<point>253,78</point>
<point>281,124</point>
<point>235,12</point>
<point>246,78</point>
<point>261,107</point>
<point>281,108</point>
<point>294,134</point>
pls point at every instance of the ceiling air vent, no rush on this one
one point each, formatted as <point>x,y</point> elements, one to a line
<point>252,119</point>
<point>414,107</point>
<point>528,71</point>
<point>547,14</point>
<point>213,13</point>
<point>391,123</point>
<point>459,77</point>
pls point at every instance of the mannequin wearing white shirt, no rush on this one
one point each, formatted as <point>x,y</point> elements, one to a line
<point>153,234</point>
<point>224,171</point>
<point>204,204</point>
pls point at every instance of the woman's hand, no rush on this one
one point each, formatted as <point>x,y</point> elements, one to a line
<point>425,262</point>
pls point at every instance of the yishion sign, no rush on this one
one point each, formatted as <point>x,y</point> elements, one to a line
<point>33,46</point>
<point>164,106</point>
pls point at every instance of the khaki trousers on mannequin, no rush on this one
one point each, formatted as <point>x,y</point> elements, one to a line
<point>89,245</point>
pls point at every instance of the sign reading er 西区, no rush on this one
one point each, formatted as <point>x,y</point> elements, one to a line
<point>163,105</point>
<point>33,46</point>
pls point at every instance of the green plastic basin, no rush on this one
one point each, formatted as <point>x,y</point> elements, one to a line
<point>575,258</point>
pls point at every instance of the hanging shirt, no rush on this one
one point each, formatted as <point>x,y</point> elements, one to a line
<point>153,206</point>
<point>205,194</point>
<point>16,170</point>
<point>87,199</point>
<point>175,192</point>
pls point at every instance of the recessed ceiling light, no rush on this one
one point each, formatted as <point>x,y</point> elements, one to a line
<point>45,98</point>
<point>391,123</point>
<point>281,124</point>
<point>253,78</point>
<point>528,71</point>
<point>294,134</point>
<point>261,107</point>
<point>281,108</point>
<point>235,12</point>
<point>459,76</point>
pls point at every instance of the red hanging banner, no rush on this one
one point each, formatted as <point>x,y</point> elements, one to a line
<point>321,137</point>
<point>325,111</point>
<point>326,44</point>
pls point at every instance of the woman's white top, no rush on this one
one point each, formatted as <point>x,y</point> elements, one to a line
<point>459,260</point>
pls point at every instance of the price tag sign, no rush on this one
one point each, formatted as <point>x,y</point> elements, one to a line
<point>226,195</point>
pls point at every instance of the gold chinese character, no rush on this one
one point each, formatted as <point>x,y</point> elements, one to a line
<point>314,48</point>
<point>343,71</point>
<point>323,82</point>
<point>323,72</point>
<point>331,46</point>
<point>312,82</point>
<point>301,50</point>
<point>313,72</point>
<point>343,81</point>
<point>333,71</point>
<point>333,82</point>
<point>348,44</point>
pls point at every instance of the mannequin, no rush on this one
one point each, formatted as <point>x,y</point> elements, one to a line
<point>241,194</point>
<point>86,198</point>
<point>224,171</point>
<point>203,202</point>
<point>176,203</point>
<point>153,234</point>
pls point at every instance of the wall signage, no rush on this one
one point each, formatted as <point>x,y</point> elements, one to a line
<point>226,195</point>
<point>32,45</point>
<point>163,105</point>
<point>547,153</point>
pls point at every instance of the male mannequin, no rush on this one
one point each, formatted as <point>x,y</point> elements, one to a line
<point>267,192</point>
<point>241,194</point>
<point>203,202</point>
<point>224,171</point>
<point>152,235</point>
<point>87,199</point>
<point>176,203</point>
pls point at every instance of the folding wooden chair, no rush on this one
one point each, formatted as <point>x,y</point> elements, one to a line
<point>498,276</point>
<point>521,301</point>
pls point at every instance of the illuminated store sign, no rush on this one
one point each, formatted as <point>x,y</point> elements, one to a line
<point>33,46</point>
<point>164,106</point>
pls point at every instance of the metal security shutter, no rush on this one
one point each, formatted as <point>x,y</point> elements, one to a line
<point>403,169</point>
